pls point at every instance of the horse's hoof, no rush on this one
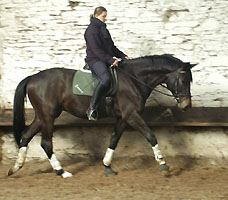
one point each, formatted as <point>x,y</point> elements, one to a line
<point>14,169</point>
<point>164,167</point>
<point>10,172</point>
<point>109,171</point>
<point>165,170</point>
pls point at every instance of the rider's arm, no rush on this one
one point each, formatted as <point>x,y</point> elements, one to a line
<point>118,53</point>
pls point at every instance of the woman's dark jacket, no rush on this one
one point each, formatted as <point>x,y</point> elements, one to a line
<point>100,46</point>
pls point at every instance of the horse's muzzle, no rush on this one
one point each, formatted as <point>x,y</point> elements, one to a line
<point>185,104</point>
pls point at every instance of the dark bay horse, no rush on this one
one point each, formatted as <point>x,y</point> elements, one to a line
<point>50,92</point>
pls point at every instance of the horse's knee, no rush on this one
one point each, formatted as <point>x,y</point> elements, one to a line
<point>47,146</point>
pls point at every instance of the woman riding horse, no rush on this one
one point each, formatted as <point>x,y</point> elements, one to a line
<point>100,52</point>
<point>50,93</point>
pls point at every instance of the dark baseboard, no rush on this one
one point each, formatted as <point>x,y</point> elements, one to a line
<point>154,116</point>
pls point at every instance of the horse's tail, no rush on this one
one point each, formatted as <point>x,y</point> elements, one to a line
<point>19,109</point>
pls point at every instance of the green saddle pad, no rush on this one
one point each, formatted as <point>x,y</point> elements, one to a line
<point>83,83</point>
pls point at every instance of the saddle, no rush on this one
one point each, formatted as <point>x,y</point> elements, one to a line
<point>84,82</point>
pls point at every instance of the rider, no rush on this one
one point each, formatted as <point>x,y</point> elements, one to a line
<point>101,53</point>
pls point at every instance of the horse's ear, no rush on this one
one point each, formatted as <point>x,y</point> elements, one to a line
<point>189,65</point>
<point>193,65</point>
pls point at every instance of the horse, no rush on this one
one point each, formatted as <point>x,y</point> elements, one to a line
<point>50,93</point>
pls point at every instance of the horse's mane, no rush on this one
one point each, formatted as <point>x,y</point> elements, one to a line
<point>170,57</point>
<point>160,62</point>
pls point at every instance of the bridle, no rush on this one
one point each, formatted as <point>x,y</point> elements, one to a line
<point>175,94</point>
<point>178,95</point>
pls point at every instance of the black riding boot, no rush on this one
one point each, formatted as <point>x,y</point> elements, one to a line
<point>99,92</point>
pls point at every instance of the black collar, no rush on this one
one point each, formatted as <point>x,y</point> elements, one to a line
<point>98,22</point>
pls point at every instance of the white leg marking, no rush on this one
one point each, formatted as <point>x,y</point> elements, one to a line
<point>20,158</point>
<point>55,163</point>
<point>57,166</point>
<point>20,161</point>
<point>158,155</point>
<point>108,157</point>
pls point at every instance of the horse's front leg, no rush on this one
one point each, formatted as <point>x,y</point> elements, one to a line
<point>119,129</point>
<point>137,122</point>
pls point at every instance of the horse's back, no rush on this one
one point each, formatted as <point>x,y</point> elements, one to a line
<point>53,74</point>
<point>51,91</point>
<point>50,85</point>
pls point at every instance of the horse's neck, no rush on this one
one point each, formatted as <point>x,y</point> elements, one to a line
<point>149,76</point>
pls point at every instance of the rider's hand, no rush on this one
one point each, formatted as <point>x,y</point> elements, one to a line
<point>115,63</point>
<point>127,58</point>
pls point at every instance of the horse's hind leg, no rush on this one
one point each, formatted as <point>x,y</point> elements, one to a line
<point>119,129</point>
<point>28,134</point>
<point>136,121</point>
<point>47,145</point>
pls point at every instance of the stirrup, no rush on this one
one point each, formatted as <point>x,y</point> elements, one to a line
<point>92,114</point>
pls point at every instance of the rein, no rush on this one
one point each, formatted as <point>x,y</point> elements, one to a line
<point>176,96</point>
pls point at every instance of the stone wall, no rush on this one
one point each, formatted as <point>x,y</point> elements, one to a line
<point>41,34</point>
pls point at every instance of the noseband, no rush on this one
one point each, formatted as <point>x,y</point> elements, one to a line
<point>177,95</point>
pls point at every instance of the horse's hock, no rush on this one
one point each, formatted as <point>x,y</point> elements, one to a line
<point>76,142</point>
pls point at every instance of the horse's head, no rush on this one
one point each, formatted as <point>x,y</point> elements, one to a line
<point>178,83</point>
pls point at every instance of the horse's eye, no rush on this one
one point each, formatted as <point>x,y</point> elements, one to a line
<point>184,77</point>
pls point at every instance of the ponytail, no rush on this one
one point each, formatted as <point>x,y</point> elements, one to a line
<point>91,17</point>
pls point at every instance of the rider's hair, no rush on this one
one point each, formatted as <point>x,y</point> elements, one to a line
<point>97,11</point>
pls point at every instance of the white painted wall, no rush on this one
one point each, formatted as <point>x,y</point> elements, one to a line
<point>40,34</point>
